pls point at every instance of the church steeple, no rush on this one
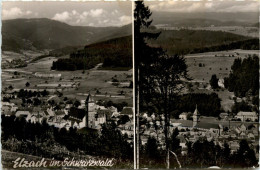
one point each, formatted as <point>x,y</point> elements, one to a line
<point>196,116</point>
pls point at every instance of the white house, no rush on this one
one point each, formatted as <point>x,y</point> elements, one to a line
<point>22,113</point>
<point>221,83</point>
<point>247,116</point>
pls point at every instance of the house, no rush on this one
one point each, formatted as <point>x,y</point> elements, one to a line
<point>247,116</point>
<point>50,111</point>
<point>75,115</point>
<point>35,118</point>
<point>14,109</point>
<point>240,128</point>
<point>129,126</point>
<point>46,75</point>
<point>221,83</point>
<point>99,118</point>
<point>21,113</point>
<point>251,136</point>
<point>127,111</point>
<point>6,108</point>
<point>185,115</point>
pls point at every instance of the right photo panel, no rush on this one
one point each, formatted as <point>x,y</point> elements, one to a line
<point>196,78</point>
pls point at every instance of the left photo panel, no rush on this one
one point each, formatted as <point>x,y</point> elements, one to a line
<point>67,85</point>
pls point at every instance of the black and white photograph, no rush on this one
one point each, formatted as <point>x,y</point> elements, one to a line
<point>196,84</point>
<point>130,84</point>
<point>67,85</point>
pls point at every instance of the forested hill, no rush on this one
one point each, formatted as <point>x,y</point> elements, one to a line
<point>112,53</point>
<point>43,33</point>
<point>189,41</point>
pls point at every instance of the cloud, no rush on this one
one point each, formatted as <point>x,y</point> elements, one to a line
<point>96,12</point>
<point>114,12</point>
<point>93,17</point>
<point>64,16</point>
<point>15,12</point>
<point>125,20</point>
<point>207,6</point>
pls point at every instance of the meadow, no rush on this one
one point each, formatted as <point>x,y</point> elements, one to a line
<point>202,66</point>
<point>94,81</point>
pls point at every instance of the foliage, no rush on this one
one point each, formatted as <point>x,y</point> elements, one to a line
<point>28,93</point>
<point>245,156</point>
<point>111,143</point>
<point>175,142</point>
<point>123,119</point>
<point>110,103</point>
<point>193,41</point>
<point>241,106</point>
<point>208,104</point>
<point>244,76</point>
<point>112,53</point>
<point>214,81</point>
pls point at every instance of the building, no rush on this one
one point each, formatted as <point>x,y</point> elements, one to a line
<point>46,75</point>
<point>196,116</point>
<point>185,115</point>
<point>22,114</point>
<point>221,83</point>
<point>247,116</point>
<point>127,111</point>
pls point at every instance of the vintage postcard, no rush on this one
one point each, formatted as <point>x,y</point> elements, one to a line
<point>130,84</point>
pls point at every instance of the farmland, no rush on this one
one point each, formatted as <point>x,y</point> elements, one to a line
<point>73,84</point>
<point>202,66</point>
<point>239,30</point>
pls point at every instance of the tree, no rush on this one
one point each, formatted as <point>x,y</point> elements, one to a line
<point>175,142</point>
<point>151,149</point>
<point>226,153</point>
<point>10,87</point>
<point>158,75</point>
<point>76,104</point>
<point>113,143</point>
<point>123,119</point>
<point>141,21</point>
<point>27,84</point>
<point>214,81</point>
<point>245,156</point>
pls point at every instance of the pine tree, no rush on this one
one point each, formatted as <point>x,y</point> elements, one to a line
<point>158,76</point>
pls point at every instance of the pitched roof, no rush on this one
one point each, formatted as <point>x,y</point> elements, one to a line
<point>127,111</point>
<point>204,125</point>
<point>76,114</point>
<point>246,113</point>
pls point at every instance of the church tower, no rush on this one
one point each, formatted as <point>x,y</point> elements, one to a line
<point>90,111</point>
<point>196,116</point>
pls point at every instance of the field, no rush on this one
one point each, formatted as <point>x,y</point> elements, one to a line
<point>203,65</point>
<point>239,30</point>
<point>73,84</point>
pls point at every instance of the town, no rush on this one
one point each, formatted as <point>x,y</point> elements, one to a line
<point>69,114</point>
<point>193,127</point>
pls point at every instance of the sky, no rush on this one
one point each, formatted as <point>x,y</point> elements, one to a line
<point>115,13</point>
<point>205,6</point>
<point>73,13</point>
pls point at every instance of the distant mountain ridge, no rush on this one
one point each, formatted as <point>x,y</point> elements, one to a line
<point>200,19</point>
<point>43,33</point>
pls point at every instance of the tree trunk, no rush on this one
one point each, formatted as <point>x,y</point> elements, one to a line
<point>166,130</point>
